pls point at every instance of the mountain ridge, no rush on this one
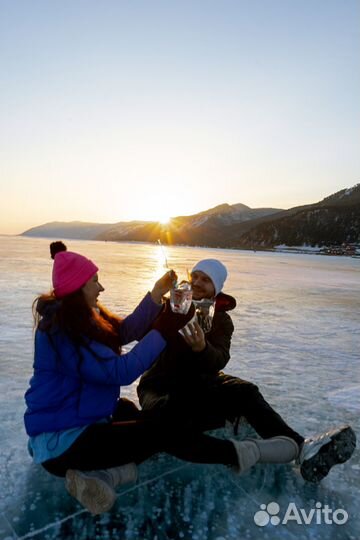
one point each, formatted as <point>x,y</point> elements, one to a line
<point>333,220</point>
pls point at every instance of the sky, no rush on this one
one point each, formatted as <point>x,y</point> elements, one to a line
<point>117,110</point>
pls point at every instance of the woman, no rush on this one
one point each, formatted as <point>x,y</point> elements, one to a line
<point>75,419</point>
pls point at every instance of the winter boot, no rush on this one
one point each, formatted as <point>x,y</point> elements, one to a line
<point>95,490</point>
<point>318,454</point>
<point>275,450</point>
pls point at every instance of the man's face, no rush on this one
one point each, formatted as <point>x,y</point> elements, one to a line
<point>202,285</point>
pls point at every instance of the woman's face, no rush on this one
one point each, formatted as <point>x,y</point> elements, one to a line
<point>91,290</point>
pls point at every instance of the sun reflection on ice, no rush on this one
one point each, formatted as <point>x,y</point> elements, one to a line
<point>161,258</point>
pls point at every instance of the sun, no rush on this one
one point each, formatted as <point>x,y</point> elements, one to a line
<point>165,220</point>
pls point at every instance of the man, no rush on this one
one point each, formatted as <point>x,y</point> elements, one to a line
<point>186,384</point>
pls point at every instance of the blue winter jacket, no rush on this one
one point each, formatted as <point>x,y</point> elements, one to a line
<point>69,390</point>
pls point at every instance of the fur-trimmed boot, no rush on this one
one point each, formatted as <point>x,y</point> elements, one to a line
<point>95,490</point>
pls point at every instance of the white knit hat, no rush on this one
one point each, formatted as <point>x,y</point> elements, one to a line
<point>215,270</point>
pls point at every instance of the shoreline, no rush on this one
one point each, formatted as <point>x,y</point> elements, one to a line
<point>330,251</point>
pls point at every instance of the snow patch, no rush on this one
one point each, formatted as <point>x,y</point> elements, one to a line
<point>304,247</point>
<point>350,190</point>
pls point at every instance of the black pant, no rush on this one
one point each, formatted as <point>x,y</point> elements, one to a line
<point>208,406</point>
<point>134,436</point>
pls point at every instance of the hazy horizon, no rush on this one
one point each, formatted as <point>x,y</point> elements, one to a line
<point>128,221</point>
<point>121,111</point>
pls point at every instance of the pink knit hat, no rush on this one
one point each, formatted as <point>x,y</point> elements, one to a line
<point>70,271</point>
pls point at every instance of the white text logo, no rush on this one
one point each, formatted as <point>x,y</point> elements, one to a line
<point>320,515</point>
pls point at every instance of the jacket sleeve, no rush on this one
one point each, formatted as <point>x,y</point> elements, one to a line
<point>216,354</point>
<point>137,324</point>
<point>100,365</point>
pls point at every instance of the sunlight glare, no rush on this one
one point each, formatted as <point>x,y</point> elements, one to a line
<point>164,220</point>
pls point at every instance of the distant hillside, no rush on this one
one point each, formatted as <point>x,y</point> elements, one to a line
<point>334,220</point>
<point>77,229</point>
<point>204,228</point>
<point>345,197</point>
<point>181,227</point>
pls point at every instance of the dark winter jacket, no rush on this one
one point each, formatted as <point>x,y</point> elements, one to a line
<point>179,368</point>
<point>74,387</point>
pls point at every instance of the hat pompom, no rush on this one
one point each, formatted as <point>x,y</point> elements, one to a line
<point>57,247</point>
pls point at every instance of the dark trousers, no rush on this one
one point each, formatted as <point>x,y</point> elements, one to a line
<point>134,436</point>
<point>208,406</point>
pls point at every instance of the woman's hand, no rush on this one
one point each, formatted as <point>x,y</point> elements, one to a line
<point>163,285</point>
<point>194,336</point>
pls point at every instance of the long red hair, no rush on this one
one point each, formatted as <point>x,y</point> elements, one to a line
<point>81,323</point>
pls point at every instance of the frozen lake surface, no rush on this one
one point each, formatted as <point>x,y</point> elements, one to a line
<point>297,330</point>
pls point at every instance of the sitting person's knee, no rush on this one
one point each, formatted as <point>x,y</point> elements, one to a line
<point>151,400</point>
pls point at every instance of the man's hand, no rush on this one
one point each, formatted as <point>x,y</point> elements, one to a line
<point>163,285</point>
<point>194,336</point>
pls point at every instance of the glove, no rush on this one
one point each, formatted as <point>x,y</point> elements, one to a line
<point>169,323</point>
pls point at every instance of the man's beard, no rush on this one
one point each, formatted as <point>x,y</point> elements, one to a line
<point>198,294</point>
